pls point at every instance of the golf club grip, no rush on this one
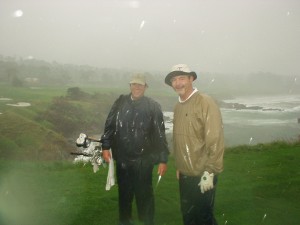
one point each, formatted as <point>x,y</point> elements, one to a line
<point>93,139</point>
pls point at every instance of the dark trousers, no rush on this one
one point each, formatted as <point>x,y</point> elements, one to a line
<point>196,208</point>
<point>135,181</point>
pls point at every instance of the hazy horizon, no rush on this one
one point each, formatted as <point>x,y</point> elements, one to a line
<point>229,36</point>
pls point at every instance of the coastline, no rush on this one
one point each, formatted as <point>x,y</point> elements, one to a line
<point>253,120</point>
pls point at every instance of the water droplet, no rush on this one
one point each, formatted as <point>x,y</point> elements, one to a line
<point>18,13</point>
<point>142,24</point>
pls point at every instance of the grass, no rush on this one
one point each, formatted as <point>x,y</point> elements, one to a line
<point>34,94</point>
<point>260,185</point>
<point>39,143</point>
<point>60,193</point>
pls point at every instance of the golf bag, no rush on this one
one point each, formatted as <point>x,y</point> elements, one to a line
<point>91,151</point>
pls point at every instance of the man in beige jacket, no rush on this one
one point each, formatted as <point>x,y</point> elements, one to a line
<point>198,143</point>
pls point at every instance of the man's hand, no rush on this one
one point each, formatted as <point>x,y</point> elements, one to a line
<point>106,155</point>
<point>162,168</point>
<point>207,182</point>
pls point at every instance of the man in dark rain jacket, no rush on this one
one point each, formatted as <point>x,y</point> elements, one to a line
<point>135,132</point>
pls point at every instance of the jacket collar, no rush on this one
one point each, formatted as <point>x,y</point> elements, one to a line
<point>195,90</point>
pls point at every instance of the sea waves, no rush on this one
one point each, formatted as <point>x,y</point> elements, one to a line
<point>267,118</point>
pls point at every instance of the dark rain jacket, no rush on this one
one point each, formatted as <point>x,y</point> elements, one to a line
<point>135,130</point>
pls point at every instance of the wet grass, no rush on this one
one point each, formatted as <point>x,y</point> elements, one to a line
<point>260,185</point>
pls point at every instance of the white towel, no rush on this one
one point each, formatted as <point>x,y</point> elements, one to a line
<point>111,174</point>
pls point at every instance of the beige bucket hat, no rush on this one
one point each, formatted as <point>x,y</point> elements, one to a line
<point>177,70</point>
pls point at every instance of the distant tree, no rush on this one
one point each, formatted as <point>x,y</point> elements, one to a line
<point>16,82</point>
<point>75,93</point>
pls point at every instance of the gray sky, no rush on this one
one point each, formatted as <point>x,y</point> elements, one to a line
<point>224,36</point>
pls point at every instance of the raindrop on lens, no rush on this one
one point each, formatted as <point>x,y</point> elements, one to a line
<point>18,13</point>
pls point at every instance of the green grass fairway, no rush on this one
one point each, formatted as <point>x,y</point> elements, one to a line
<point>260,185</point>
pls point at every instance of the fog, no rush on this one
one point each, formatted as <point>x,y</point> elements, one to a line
<point>228,36</point>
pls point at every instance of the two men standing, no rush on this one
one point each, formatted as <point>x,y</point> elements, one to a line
<point>135,132</point>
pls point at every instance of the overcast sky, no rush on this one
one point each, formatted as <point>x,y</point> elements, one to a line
<point>224,36</point>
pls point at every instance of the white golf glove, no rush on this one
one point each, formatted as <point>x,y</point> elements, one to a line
<point>206,182</point>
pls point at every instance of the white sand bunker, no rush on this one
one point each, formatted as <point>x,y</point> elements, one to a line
<point>5,99</point>
<point>20,104</point>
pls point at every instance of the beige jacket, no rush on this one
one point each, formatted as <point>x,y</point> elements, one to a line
<point>198,138</point>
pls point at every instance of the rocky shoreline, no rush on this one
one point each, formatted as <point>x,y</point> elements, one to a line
<point>239,106</point>
<point>168,116</point>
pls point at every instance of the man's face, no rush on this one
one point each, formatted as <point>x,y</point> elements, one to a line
<point>137,90</point>
<point>183,85</point>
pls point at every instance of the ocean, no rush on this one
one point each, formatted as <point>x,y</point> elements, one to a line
<point>276,120</point>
